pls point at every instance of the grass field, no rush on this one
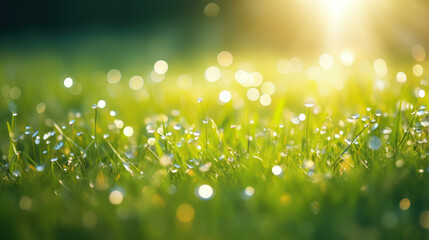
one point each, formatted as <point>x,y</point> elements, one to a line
<point>314,151</point>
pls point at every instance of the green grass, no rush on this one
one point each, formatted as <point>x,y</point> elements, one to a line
<point>343,175</point>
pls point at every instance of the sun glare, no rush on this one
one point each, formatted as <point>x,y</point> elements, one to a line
<point>337,8</point>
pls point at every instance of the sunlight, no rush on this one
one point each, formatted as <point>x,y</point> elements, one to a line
<point>338,8</point>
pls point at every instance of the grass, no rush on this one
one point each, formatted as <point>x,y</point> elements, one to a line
<point>200,170</point>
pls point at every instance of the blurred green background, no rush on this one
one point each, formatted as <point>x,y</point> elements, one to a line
<point>347,56</point>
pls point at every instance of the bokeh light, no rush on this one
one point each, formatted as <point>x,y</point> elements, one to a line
<point>225,96</point>
<point>68,82</point>
<point>160,67</point>
<point>205,192</point>
<point>113,76</point>
<point>128,131</point>
<point>136,83</point>
<point>185,213</point>
<point>116,197</point>
<point>212,74</point>
<point>326,61</point>
<point>224,58</point>
<point>277,170</point>
<point>211,10</point>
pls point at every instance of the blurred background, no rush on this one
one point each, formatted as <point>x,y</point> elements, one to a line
<point>288,26</point>
<point>57,56</point>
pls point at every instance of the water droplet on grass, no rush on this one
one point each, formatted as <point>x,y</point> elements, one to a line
<point>40,168</point>
<point>16,173</point>
<point>59,145</point>
<point>374,143</point>
<point>295,120</point>
<point>378,113</point>
<point>150,129</point>
<point>387,131</point>
<point>249,191</point>
<point>35,134</point>
<point>309,103</point>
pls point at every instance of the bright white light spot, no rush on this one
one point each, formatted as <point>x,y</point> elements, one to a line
<point>224,58</point>
<point>249,191</point>
<point>268,88</point>
<point>101,104</point>
<point>422,93</point>
<point>113,76</point>
<point>347,57</point>
<point>401,77</point>
<point>253,94</point>
<point>265,100</point>
<point>212,74</point>
<point>225,96</point>
<point>68,82</point>
<point>326,61</point>
<point>112,113</point>
<point>277,170</point>
<point>128,131</point>
<point>136,83</point>
<point>301,117</point>
<point>116,197</point>
<point>338,8</point>
<point>205,192</point>
<point>160,67</point>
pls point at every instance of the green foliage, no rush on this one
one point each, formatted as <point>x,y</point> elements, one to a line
<point>345,172</point>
